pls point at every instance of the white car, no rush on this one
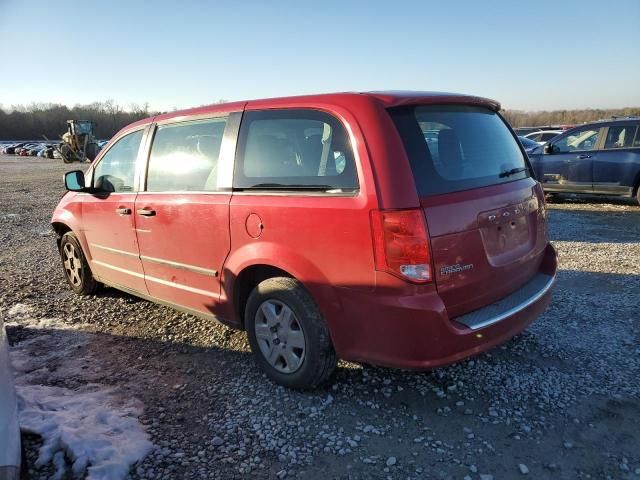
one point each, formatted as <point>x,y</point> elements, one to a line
<point>9,428</point>
<point>543,136</point>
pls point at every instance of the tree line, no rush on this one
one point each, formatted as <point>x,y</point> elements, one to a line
<point>519,118</point>
<point>32,121</point>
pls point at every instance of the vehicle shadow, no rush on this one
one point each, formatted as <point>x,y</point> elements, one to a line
<point>594,225</point>
<point>181,384</point>
<point>581,199</point>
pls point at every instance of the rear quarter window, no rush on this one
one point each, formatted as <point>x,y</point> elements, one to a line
<point>456,147</point>
<point>294,149</point>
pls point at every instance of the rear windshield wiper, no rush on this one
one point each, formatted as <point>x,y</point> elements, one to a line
<point>513,171</point>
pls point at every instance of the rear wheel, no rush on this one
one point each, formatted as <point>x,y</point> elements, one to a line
<point>638,194</point>
<point>76,268</point>
<point>288,335</point>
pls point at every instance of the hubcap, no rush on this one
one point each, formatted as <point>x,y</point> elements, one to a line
<point>280,336</point>
<point>72,264</point>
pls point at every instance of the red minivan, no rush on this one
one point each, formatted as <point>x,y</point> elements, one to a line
<point>396,228</point>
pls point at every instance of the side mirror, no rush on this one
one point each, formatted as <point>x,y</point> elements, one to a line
<point>548,148</point>
<point>74,181</point>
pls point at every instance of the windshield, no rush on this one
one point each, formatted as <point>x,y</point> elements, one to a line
<point>457,147</point>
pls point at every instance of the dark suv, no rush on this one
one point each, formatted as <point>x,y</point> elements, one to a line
<point>601,157</point>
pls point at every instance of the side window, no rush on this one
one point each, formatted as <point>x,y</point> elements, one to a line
<point>116,171</point>
<point>184,156</point>
<point>620,136</point>
<point>582,139</point>
<point>294,149</point>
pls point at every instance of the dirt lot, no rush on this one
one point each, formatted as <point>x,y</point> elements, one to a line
<point>561,401</point>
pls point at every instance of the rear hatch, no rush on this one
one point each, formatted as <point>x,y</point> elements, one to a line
<point>484,211</point>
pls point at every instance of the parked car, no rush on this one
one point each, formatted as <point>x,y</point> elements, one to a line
<point>10,457</point>
<point>262,214</point>
<point>34,151</point>
<point>23,150</point>
<point>12,149</point>
<point>543,136</point>
<point>598,158</point>
<point>529,145</point>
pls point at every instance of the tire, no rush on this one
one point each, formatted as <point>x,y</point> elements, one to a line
<point>66,153</point>
<point>638,195</point>
<point>92,151</point>
<point>293,348</point>
<point>75,266</point>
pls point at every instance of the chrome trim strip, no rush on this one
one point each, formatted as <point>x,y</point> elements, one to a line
<point>182,266</point>
<point>117,269</point>
<point>179,286</point>
<point>159,261</point>
<point>280,193</point>
<point>188,192</point>
<point>157,280</point>
<point>114,250</point>
<point>517,308</point>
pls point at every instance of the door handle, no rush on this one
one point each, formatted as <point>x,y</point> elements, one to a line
<point>583,156</point>
<point>123,211</point>
<point>146,212</point>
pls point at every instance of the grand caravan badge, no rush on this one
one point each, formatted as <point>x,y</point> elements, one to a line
<point>448,269</point>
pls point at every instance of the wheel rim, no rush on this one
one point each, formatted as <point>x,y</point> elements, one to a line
<point>72,264</point>
<point>280,336</point>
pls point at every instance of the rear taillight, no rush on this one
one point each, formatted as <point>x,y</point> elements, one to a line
<point>401,244</point>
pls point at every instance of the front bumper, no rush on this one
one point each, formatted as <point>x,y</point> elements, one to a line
<point>415,331</point>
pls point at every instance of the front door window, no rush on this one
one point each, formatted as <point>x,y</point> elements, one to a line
<point>579,140</point>
<point>116,171</point>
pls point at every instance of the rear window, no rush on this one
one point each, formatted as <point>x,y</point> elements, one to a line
<point>456,147</point>
<point>184,156</point>
<point>619,136</point>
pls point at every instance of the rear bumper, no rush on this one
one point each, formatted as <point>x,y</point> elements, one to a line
<point>415,331</point>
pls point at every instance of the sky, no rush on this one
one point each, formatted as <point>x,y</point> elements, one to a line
<point>531,55</point>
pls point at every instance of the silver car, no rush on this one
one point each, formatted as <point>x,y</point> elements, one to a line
<point>9,428</point>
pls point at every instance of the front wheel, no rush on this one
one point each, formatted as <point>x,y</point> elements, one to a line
<point>288,335</point>
<point>76,268</point>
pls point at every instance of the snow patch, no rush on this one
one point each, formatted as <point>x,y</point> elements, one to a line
<point>21,315</point>
<point>20,309</point>
<point>86,427</point>
<point>99,440</point>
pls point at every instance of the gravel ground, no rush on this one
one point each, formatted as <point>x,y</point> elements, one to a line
<point>560,401</point>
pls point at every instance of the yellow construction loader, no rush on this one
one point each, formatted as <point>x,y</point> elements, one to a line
<point>78,143</point>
